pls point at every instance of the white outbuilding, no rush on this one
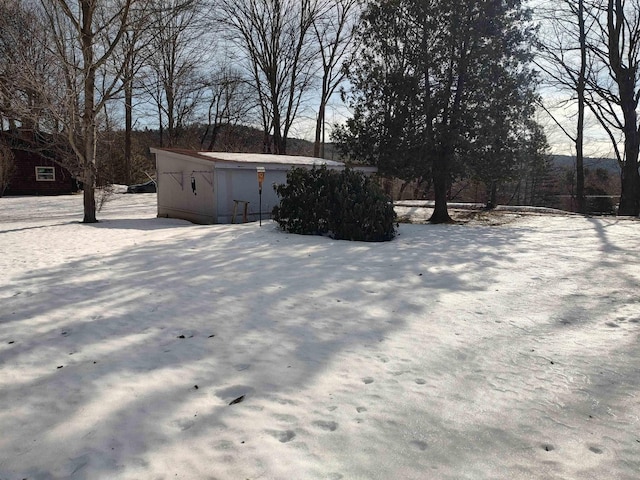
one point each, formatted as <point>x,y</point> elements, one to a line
<point>221,187</point>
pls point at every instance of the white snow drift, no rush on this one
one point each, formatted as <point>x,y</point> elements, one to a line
<point>452,352</point>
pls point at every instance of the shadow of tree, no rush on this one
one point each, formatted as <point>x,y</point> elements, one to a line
<point>107,350</point>
<point>243,311</point>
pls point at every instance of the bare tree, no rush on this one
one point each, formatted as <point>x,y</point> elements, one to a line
<point>75,41</point>
<point>333,27</point>
<point>230,100</point>
<point>26,69</point>
<point>273,36</point>
<point>615,89</point>
<point>176,52</point>
<point>85,36</point>
<point>563,59</point>
<point>132,57</point>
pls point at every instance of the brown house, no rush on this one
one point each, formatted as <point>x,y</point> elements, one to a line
<point>35,174</point>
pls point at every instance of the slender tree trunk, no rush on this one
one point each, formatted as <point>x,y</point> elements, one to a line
<point>214,137</point>
<point>319,132</point>
<point>279,148</point>
<point>318,146</point>
<point>266,141</point>
<point>88,120</point>
<point>128,128</point>
<point>171,134</point>
<point>580,90</point>
<point>322,142</point>
<point>493,196</point>
<point>160,127</point>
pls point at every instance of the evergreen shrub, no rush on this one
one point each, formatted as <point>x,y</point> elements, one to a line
<point>345,205</point>
<point>599,202</point>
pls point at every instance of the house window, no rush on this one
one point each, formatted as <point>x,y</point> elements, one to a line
<point>45,174</point>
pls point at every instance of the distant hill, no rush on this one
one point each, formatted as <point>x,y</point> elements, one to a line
<point>569,162</point>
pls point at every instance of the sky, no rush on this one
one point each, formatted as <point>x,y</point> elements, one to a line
<point>139,347</point>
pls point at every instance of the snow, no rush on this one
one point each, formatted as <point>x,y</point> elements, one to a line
<point>453,352</point>
<point>269,159</point>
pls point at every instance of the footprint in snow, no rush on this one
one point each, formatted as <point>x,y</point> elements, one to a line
<point>283,436</point>
<point>183,424</point>
<point>326,425</point>
<point>422,446</point>
<point>284,417</point>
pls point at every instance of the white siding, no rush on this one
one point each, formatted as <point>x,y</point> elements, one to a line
<point>176,198</point>
<point>242,184</point>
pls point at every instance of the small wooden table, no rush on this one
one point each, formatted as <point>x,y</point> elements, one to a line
<point>245,210</point>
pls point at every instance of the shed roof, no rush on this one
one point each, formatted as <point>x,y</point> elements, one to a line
<point>254,158</point>
<point>267,158</point>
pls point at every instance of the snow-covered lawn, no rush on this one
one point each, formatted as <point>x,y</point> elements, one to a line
<point>453,352</point>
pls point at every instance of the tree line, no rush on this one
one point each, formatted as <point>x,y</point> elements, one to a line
<point>437,90</point>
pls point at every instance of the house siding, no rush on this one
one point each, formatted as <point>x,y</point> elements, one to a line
<point>24,182</point>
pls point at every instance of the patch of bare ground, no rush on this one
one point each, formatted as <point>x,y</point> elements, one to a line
<point>419,212</point>
<point>484,217</point>
<point>463,217</point>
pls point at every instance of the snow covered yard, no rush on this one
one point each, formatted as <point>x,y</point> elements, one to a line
<point>452,352</point>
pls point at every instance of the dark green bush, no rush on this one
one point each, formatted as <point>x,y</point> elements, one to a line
<point>345,205</point>
<point>599,202</point>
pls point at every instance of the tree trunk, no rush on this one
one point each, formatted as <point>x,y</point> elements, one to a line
<point>128,128</point>
<point>581,104</point>
<point>89,113</point>
<point>171,121</point>
<point>630,180</point>
<point>493,194</point>
<point>266,142</point>
<point>89,197</point>
<point>624,76</point>
<point>319,140</point>
<point>279,148</point>
<point>440,186</point>
<point>214,137</point>
<point>160,127</point>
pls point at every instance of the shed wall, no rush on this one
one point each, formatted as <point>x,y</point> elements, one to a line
<point>242,184</point>
<point>176,197</point>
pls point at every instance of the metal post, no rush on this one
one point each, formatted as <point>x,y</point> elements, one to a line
<point>260,206</point>
<point>260,171</point>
